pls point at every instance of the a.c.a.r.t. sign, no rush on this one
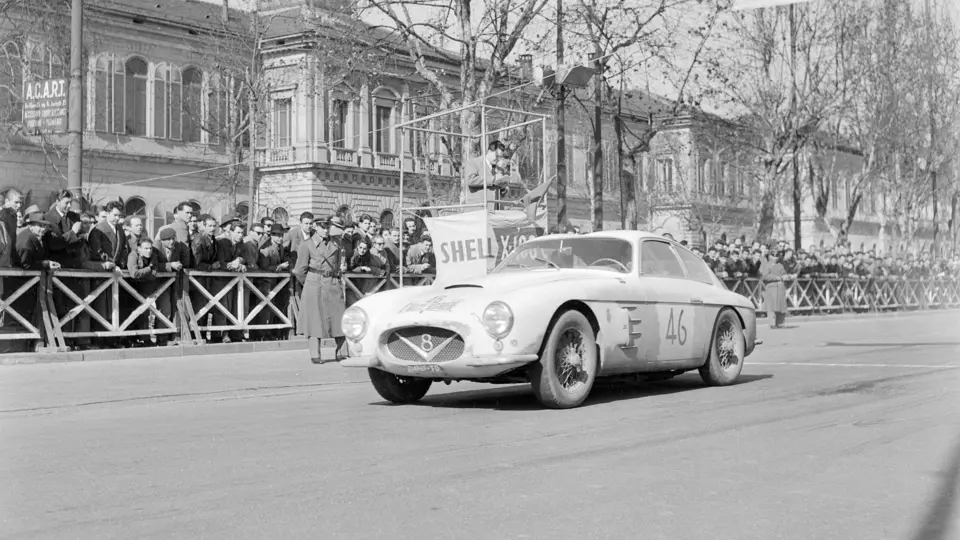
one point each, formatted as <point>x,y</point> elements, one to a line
<point>45,106</point>
<point>467,245</point>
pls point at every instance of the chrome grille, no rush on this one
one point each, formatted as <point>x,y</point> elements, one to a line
<point>425,344</point>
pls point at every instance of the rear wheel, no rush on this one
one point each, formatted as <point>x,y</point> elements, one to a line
<point>567,369</point>
<point>398,389</point>
<point>725,361</point>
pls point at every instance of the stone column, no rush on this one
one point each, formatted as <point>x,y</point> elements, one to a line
<point>321,115</point>
<point>406,157</point>
<point>364,151</point>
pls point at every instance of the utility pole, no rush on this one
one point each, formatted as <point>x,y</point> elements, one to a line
<point>254,116</point>
<point>597,156</point>
<point>75,104</point>
<point>797,194</point>
<point>559,105</point>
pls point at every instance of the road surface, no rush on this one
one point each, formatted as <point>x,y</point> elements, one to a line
<point>840,430</point>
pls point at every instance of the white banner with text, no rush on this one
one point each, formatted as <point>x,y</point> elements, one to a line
<point>468,246</point>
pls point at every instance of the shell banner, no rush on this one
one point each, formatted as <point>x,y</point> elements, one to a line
<point>467,245</point>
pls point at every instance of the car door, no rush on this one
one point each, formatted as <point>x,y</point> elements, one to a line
<point>672,310</point>
<point>702,287</point>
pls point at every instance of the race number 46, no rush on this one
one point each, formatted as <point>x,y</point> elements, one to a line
<point>676,330</point>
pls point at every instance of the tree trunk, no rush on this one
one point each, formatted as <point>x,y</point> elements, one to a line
<point>597,213</point>
<point>882,220</point>
<point>628,195</point>
<point>766,214</point>
<point>560,120</point>
<point>797,199</point>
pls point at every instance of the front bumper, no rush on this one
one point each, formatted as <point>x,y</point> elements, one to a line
<point>465,367</point>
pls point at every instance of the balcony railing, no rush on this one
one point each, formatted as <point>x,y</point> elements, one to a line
<point>348,157</point>
<point>388,161</point>
<point>344,156</point>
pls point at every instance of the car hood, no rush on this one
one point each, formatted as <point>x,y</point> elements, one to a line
<point>505,282</point>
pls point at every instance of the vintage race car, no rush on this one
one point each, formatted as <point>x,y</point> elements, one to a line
<point>559,311</point>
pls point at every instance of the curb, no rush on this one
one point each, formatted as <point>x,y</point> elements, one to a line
<point>143,353</point>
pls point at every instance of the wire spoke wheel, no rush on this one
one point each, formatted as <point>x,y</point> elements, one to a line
<point>727,350</point>
<point>569,362</point>
<point>729,347</point>
<point>570,365</point>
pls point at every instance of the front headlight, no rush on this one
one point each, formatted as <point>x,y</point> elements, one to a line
<point>498,320</point>
<point>354,323</point>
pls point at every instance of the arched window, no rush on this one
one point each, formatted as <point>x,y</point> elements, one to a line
<point>386,219</point>
<point>192,95</point>
<point>281,216</point>
<point>11,81</point>
<point>167,108</point>
<point>161,218</point>
<point>44,64</point>
<point>135,207</point>
<point>135,92</point>
<point>215,115</point>
<point>108,95</point>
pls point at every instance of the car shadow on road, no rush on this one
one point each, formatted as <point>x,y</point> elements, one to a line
<point>519,397</point>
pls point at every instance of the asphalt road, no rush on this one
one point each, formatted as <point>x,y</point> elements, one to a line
<point>840,430</point>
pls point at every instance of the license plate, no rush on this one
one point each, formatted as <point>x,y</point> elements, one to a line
<point>424,368</point>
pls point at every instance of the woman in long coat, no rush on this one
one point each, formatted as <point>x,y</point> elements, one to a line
<point>320,266</point>
<point>772,274</point>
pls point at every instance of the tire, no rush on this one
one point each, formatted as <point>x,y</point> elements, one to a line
<point>396,389</point>
<point>727,347</point>
<point>571,386</point>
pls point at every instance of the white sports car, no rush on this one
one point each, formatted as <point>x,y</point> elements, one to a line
<point>558,312</point>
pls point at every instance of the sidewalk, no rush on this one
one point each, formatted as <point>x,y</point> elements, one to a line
<point>299,345</point>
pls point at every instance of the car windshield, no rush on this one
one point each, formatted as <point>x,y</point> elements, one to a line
<point>576,252</point>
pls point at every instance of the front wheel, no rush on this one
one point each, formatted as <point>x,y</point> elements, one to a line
<point>567,369</point>
<point>725,361</point>
<point>396,389</point>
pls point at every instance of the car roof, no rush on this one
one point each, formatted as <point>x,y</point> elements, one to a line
<point>629,236</point>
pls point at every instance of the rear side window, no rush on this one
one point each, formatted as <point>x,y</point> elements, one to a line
<point>697,270</point>
<point>657,259</point>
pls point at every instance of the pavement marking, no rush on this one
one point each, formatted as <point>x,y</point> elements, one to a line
<point>818,364</point>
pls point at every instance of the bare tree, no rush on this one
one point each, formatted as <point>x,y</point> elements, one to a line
<point>775,78</point>
<point>485,36</point>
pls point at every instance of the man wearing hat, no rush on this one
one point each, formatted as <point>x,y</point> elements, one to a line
<point>181,227</point>
<point>31,255</point>
<point>22,222</point>
<point>320,267</point>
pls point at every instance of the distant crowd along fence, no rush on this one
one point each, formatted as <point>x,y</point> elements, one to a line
<point>58,309</point>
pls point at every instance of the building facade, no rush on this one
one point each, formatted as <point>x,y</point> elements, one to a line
<point>145,94</point>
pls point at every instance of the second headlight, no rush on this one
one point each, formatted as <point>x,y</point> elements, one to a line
<point>498,320</point>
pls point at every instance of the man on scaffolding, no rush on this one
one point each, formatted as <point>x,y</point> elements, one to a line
<point>498,173</point>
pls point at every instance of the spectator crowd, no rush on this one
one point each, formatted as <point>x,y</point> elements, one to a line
<point>60,239</point>
<point>739,259</point>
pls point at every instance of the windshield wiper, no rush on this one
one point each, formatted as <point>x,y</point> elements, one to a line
<point>544,261</point>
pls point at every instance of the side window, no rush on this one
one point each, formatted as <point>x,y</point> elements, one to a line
<point>696,269</point>
<point>657,259</point>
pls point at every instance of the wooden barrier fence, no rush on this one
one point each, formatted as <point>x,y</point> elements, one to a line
<point>57,310</point>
